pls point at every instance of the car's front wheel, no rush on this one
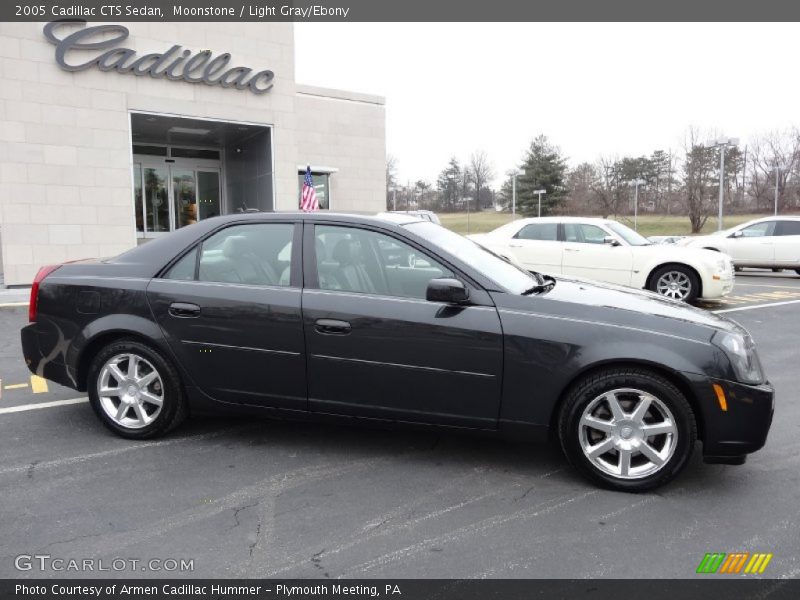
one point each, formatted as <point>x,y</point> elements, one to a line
<point>627,429</point>
<point>135,391</point>
<point>677,282</point>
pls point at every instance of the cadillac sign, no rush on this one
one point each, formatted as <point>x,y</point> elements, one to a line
<point>176,63</point>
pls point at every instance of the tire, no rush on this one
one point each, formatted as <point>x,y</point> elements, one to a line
<point>678,282</point>
<point>776,270</point>
<point>133,411</point>
<point>667,407</point>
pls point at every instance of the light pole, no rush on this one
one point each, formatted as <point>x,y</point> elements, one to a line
<point>514,174</point>
<point>540,192</point>
<point>722,143</point>
<point>635,185</point>
<point>778,169</point>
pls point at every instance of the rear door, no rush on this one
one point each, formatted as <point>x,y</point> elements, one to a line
<point>756,245</point>
<point>587,255</point>
<point>538,248</point>
<point>787,244</point>
<point>230,309</point>
<point>376,347</point>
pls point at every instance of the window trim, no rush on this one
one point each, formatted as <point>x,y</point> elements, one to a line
<point>295,262</point>
<point>311,276</point>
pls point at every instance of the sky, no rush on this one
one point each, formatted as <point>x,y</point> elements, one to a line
<point>594,89</point>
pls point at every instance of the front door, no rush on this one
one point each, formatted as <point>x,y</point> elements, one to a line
<point>587,255</point>
<point>376,347</point>
<point>755,246</point>
<point>232,315</point>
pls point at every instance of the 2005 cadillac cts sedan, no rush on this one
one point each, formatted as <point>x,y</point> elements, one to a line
<point>399,320</point>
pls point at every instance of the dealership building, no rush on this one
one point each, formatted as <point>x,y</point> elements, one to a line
<point>111,135</point>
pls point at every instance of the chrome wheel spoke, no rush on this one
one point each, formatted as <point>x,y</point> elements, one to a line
<point>625,462</point>
<point>146,380</point>
<point>599,424</point>
<point>651,453</point>
<point>614,406</point>
<point>116,373</point>
<point>601,448</point>
<point>133,366</point>
<point>141,415</point>
<point>658,428</point>
<point>122,409</point>
<point>150,398</point>
<point>641,408</point>
<point>109,391</point>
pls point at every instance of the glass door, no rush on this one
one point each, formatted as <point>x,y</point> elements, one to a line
<point>156,199</point>
<point>184,195</point>
<point>208,193</point>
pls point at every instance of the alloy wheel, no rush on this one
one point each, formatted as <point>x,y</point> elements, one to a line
<point>628,433</point>
<point>130,390</point>
<point>674,284</point>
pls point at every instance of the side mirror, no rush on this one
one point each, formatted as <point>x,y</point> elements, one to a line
<point>737,234</point>
<point>447,290</point>
<point>611,240</point>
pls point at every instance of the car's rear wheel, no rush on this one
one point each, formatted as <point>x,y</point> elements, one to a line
<point>677,282</point>
<point>627,429</point>
<point>797,271</point>
<point>135,391</point>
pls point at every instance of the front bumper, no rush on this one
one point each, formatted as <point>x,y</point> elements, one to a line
<point>717,288</point>
<point>742,429</point>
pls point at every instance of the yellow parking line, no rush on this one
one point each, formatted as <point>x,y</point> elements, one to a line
<point>16,386</point>
<point>38,384</point>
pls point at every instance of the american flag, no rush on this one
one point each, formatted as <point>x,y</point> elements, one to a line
<point>308,199</point>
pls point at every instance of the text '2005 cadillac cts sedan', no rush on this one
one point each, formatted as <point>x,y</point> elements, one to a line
<point>398,320</point>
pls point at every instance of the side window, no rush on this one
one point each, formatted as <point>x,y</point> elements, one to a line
<point>584,233</point>
<point>356,260</point>
<point>787,228</point>
<point>257,254</point>
<point>539,231</point>
<point>183,270</point>
<point>762,229</point>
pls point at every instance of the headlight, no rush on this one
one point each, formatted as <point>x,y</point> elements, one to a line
<point>722,264</point>
<point>741,351</point>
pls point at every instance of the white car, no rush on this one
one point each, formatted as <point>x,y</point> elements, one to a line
<point>605,250</point>
<point>769,243</point>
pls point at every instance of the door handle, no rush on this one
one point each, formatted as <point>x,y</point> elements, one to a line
<point>332,327</point>
<point>515,245</point>
<point>571,250</point>
<point>184,310</point>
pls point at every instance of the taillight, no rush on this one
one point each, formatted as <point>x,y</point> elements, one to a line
<point>33,306</point>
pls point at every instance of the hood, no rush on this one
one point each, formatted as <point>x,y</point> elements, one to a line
<point>626,307</point>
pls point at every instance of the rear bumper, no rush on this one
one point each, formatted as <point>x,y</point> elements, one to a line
<point>50,367</point>
<point>730,435</point>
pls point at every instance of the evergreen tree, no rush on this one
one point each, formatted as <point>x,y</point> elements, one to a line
<point>545,169</point>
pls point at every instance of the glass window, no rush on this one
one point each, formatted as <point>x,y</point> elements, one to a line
<point>156,196</point>
<point>183,270</point>
<point>356,260</point>
<point>502,272</point>
<point>539,231</point>
<point>194,153</point>
<point>321,186</point>
<point>765,228</point>
<point>248,254</point>
<point>583,233</point>
<point>629,235</point>
<point>150,150</point>
<point>137,197</point>
<point>788,228</point>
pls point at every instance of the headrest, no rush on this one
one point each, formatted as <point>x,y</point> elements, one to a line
<point>234,246</point>
<point>322,250</point>
<point>345,252</point>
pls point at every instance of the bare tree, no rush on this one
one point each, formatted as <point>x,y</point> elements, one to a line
<point>698,172</point>
<point>481,171</point>
<point>781,149</point>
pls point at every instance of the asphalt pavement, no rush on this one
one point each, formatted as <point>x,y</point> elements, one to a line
<point>278,499</point>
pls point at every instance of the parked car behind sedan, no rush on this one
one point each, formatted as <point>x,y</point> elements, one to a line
<point>605,250</point>
<point>768,243</point>
<point>319,316</point>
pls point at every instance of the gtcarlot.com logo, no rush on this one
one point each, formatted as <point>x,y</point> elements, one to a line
<point>736,563</point>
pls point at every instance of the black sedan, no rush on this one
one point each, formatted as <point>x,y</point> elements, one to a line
<point>312,315</point>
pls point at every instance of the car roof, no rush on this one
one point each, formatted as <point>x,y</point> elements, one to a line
<point>593,220</point>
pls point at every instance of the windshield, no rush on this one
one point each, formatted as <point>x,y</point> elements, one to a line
<point>503,273</point>
<point>628,234</point>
